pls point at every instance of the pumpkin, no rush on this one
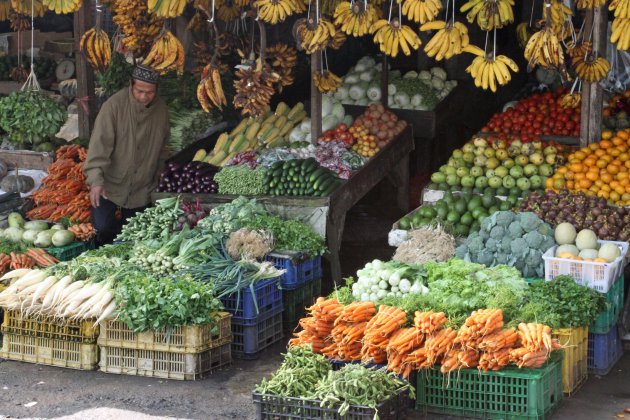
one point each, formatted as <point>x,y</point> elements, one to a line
<point>3,169</point>
<point>17,183</point>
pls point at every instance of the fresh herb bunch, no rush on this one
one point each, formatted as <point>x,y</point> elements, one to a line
<point>7,247</point>
<point>145,302</point>
<point>117,75</point>
<point>289,235</point>
<point>561,303</point>
<point>30,117</point>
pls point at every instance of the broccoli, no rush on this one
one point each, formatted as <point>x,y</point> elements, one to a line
<point>487,224</point>
<point>545,230</point>
<point>475,245</point>
<point>492,245</point>
<point>484,235</point>
<point>548,243</point>
<point>534,258</point>
<point>519,248</point>
<point>504,218</point>
<point>515,230</point>
<point>473,235</point>
<point>506,244</point>
<point>497,233</point>
<point>534,239</point>
<point>461,251</point>
<point>529,221</point>
<point>519,264</point>
<point>501,258</point>
<point>485,257</point>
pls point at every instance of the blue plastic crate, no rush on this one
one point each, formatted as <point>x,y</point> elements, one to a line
<point>604,351</point>
<point>267,297</point>
<point>249,340</point>
<point>300,269</point>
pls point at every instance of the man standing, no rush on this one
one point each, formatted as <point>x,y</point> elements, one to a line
<point>127,151</point>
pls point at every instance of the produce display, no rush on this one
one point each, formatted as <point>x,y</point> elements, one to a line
<point>514,166</point>
<point>514,239</point>
<point>536,115</point>
<point>153,223</point>
<point>242,180</point>
<point>300,177</point>
<point>64,193</point>
<point>228,217</point>
<point>583,245</point>
<point>373,129</point>
<point>193,177</point>
<point>36,233</point>
<point>333,114</point>
<point>601,169</point>
<point>582,211</point>
<point>378,280</point>
<point>288,235</point>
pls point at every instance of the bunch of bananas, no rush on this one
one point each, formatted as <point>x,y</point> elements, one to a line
<point>95,46</point>
<point>489,71</point>
<point>19,22</point>
<point>337,41</point>
<point>421,11</point>
<point>209,90</point>
<point>589,4</point>
<point>490,14</point>
<point>18,74</point>
<point>544,49</point>
<point>560,17</point>
<point>620,34</point>
<point>197,23</point>
<point>5,9</point>
<point>356,18</point>
<point>167,8</point>
<point>227,10</point>
<point>166,54</point>
<point>138,25</point>
<point>315,36</point>
<point>621,8</point>
<point>63,6</point>
<point>282,58</point>
<point>327,81</point>
<point>523,34</point>
<point>579,50</point>
<point>23,7</point>
<point>392,36</point>
<point>450,39</point>
<point>592,70</point>
<point>254,89</point>
<point>571,100</point>
<point>274,11</point>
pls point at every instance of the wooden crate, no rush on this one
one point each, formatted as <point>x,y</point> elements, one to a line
<point>26,159</point>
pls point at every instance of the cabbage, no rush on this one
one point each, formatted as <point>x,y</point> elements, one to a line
<point>13,234</point>
<point>438,72</point>
<point>356,92</point>
<point>327,104</point>
<point>374,93</point>
<point>410,75</point>
<point>329,122</point>
<point>367,76</point>
<point>351,79</point>
<point>305,126</point>
<point>391,89</point>
<point>62,238</point>
<point>338,111</point>
<point>416,100</point>
<point>341,94</point>
<point>402,99</point>
<point>43,239</point>
<point>35,225</point>
<point>29,236</point>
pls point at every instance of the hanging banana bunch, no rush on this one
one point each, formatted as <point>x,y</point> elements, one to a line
<point>325,80</point>
<point>315,34</point>
<point>96,47</point>
<point>578,50</point>
<point>421,11</point>
<point>140,28</point>
<point>621,8</point>
<point>591,68</point>
<point>166,8</point>
<point>488,69</point>
<point>166,54</point>
<point>19,22</point>
<point>5,9</point>
<point>490,14</point>
<point>282,59</point>
<point>355,17</point>
<point>450,39</point>
<point>210,90</point>
<point>523,34</point>
<point>228,10</point>
<point>573,98</point>
<point>23,7</point>
<point>560,16</point>
<point>63,6</point>
<point>275,11</point>
<point>589,4</point>
<point>391,36</point>
<point>544,49</point>
<point>620,34</point>
<point>337,41</point>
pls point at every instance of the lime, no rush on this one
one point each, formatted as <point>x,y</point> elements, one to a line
<point>452,217</point>
<point>442,213</point>
<point>404,223</point>
<point>505,206</point>
<point>466,219</point>
<point>461,231</point>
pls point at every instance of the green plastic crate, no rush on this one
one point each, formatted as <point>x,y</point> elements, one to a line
<point>294,303</point>
<point>609,316</point>
<point>68,252</point>
<point>511,393</point>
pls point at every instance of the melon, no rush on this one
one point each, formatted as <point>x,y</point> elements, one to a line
<point>565,234</point>
<point>586,239</point>
<point>588,253</point>
<point>568,249</point>
<point>609,252</point>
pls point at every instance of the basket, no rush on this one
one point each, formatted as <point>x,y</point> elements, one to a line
<point>604,351</point>
<point>299,268</point>
<point>614,304</point>
<point>46,327</point>
<point>596,275</point>
<point>574,364</point>
<point>49,351</point>
<point>68,252</point>
<point>249,340</point>
<point>277,407</point>
<point>267,297</point>
<point>188,339</point>
<point>510,393</point>
<point>294,303</point>
<point>164,364</point>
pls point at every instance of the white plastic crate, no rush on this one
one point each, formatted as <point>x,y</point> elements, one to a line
<point>596,275</point>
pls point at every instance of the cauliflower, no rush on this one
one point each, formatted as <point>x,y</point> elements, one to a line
<point>497,233</point>
<point>534,239</point>
<point>519,248</point>
<point>485,257</point>
<point>529,221</point>
<point>492,245</point>
<point>515,230</point>
<point>504,218</point>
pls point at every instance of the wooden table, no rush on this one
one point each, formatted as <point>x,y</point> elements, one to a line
<point>391,162</point>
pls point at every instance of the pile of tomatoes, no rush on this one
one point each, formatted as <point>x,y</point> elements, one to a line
<point>536,115</point>
<point>339,133</point>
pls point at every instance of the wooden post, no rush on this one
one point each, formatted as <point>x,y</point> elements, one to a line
<point>316,99</point>
<point>84,73</point>
<point>592,93</point>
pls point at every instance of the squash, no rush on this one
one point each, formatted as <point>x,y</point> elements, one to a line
<point>4,168</point>
<point>17,183</point>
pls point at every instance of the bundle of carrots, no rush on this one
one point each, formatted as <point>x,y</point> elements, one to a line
<point>5,263</point>
<point>20,261</point>
<point>317,328</point>
<point>378,331</point>
<point>536,345</point>
<point>83,231</point>
<point>348,331</point>
<point>41,257</point>
<point>64,192</point>
<point>32,257</point>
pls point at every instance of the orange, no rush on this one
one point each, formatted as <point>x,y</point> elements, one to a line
<point>618,141</point>
<point>605,144</point>
<point>616,162</point>
<point>549,183</point>
<point>569,175</point>
<point>627,164</point>
<point>580,155</point>
<point>590,161</point>
<point>594,189</point>
<point>601,163</point>
<point>570,184</point>
<point>612,169</point>
<point>577,167</point>
<point>606,134</point>
<point>615,151</point>
<point>563,170</point>
<point>624,178</point>
<point>624,134</point>
<point>585,183</point>
<point>558,183</point>
<point>592,176</point>
<point>614,196</point>
<point>624,156</point>
<point>626,196</point>
<point>593,146</point>
<point>606,188</point>
<point>620,189</point>
<point>600,152</point>
<point>606,177</point>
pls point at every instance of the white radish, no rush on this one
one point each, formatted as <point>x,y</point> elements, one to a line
<point>43,287</point>
<point>98,311</point>
<point>34,277</point>
<point>70,290</point>
<point>106,313</point>
<point>16,274</point>
<point>59,288</point>
<point>86,292</point>
<point>91,302</point>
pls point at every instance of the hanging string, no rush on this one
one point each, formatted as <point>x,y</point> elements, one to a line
<point>391,5</point>
<point>494,48</point>
<point>531,16</point>
<point>485,48</point>
<point>31,83</point>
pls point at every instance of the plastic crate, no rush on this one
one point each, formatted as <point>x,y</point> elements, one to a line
<point>276,407</point>
<point>68,252</point>
<point>596,275</point>
<point>249,340</point>
<point>294,303</point>
<point>574,364</point>
<point>300,269</point>
<point>49,351</point>
<point>267,297</point>
<point>614,304</point>
<point>46,327</point>
<point>188,339</point>
<point>163,364</point>
<point>510,393</point>
<point>604,351</point>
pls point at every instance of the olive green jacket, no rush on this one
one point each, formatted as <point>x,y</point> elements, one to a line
<point>128,148</point>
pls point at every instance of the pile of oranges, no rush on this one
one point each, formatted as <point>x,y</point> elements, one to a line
<point>601,169</point>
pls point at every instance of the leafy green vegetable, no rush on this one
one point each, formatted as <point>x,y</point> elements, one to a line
<point>154,223</point>
<point>416,87</point>
<point>7,247</point>
<point>229,217</point>
<point>343,294</point>
<point>117,75</point>
<point>289,235</point>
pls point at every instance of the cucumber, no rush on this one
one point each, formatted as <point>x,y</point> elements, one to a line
<point>315,175</point>
<point>325,184</point>
<point>321,180</point>
<point>328,191</point>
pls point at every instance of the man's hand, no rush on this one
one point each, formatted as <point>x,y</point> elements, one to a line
<point>96,192</point>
